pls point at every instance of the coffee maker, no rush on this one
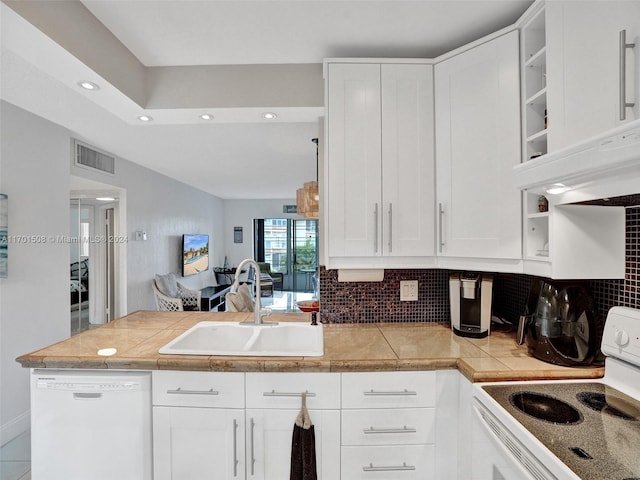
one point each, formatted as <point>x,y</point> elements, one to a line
<point>470,303</point>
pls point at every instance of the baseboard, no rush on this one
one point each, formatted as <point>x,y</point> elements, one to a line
<point>15,427</point>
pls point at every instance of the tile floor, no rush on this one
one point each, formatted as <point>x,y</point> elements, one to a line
<point>15,458</point>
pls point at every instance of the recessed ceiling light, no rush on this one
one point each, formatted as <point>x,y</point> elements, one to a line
<point>557,188</point>
<point>105,199</point>
<point>88,85</point>
<point>145,118</point>
<point>270,115</point>
<point>206,116</point>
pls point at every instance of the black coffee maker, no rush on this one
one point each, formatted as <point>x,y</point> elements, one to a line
<point>560,324</point>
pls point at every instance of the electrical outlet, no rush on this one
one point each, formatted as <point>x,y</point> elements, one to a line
<point>408,290</point>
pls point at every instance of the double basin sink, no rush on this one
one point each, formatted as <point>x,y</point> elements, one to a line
<point>233,338</point>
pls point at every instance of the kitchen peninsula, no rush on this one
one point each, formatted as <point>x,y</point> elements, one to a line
<point>382,394</point>
<point>138,336</point>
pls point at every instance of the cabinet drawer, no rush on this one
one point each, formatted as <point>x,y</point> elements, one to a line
<point>408,426</point>
<point>198,389</point>
<point>283,390</point>
<point>388,463</point>
<point>388,389</point>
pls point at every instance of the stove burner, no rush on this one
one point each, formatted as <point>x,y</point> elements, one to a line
<point>598,402</point>
<point>545,407</point>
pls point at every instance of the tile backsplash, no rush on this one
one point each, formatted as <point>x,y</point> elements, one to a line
<point>372,302</point>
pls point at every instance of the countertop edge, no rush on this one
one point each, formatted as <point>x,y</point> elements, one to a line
<point>140,353</point>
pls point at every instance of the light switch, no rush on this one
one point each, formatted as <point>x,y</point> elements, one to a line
<point>408,290</point>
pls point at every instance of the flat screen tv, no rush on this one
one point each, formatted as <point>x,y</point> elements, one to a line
<point>195,254</point>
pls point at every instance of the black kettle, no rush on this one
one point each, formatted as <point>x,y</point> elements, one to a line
<point>560,324</point>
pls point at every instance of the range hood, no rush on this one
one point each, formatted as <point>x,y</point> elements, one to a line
<point>607,165</point>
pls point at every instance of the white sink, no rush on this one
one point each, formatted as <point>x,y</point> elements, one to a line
<point>231,338</point>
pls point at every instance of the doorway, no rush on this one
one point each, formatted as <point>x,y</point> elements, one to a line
<point>93,250</point>
<point>291,248</point>
<point>79,232</point>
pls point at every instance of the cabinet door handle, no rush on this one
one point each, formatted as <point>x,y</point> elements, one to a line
<point>623,74</point>
<point>440,215</point>
<point>273,393</point>
<point>235,447</point>
<point>373,392</point>
<point>375,223</point>
<point>390,468</point>
<point>404,429</point>
<point>390,228</point>
<point>251,445</point>
<point>180,391</point>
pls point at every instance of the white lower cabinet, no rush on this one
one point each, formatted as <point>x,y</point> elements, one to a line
<point>198,425</point>
<point>388,425</point>
<point>193,443</point>
<point>232,426</point>
<point>269,435</point>
<point>240,426</point>
<point>273,401</point>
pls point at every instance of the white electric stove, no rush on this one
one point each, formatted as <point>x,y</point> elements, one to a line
<point>571,430</point>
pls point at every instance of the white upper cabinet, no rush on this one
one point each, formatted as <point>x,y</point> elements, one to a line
<point>585,83</point>
<point>477,109</point>
<point>379,166</point>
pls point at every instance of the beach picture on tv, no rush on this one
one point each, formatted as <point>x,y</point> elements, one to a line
<point>195,254</point>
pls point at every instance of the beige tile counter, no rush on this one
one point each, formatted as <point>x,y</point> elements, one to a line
<point>347,348</point>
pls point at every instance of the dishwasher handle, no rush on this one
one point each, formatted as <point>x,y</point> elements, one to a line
<point>86,395</point>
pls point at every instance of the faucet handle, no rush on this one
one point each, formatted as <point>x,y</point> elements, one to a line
<point>265,312</point>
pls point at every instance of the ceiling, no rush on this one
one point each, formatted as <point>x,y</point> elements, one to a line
<point>174,60</point>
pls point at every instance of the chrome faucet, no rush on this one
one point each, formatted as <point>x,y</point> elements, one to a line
<point>258,311</point>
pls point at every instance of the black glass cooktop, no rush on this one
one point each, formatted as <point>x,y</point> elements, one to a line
<point>591,427</point>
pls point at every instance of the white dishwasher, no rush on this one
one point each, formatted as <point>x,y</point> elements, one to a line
<point>90,424</point>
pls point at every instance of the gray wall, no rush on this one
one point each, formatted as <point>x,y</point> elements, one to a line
<point>165,209</point>
<point>35,169</point>
<point>34,299</point>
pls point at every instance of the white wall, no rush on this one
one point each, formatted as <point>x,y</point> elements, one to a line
<point>241,213</point>
<point>34,299</point>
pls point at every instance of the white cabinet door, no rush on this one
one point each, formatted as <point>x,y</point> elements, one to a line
<point>354,160</point>
<point>477,145</point>
<point>408,176</point>
<point>380,165</point>
<point>583,71</point>
<point>195,443</point>
<point>269,434</point>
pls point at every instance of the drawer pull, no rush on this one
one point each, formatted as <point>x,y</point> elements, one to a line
<point>404,429</point>
<point>273,393</point>
<point>390,468</point>
<point>390,392</point>
<point>180,391</point>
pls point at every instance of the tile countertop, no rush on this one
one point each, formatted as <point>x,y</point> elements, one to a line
<point>348,348</point>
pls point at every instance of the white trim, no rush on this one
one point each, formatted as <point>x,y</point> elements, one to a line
<point>474,44</point>
<point>15,427</point>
